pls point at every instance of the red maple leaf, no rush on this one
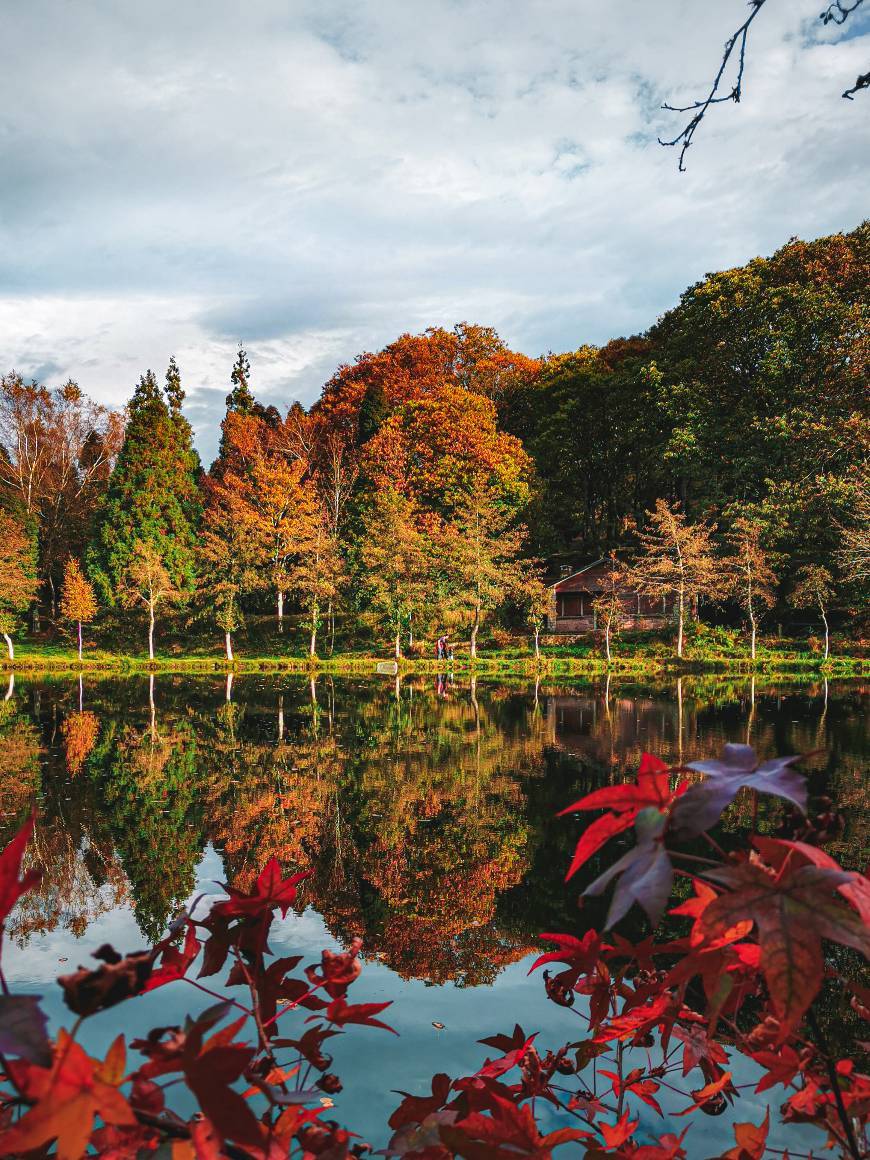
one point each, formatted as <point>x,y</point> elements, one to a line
<point>792,912</point>
<point>751,1140</point>
<point>12,886</point>
<point>701,806</point>
<point>271,892</point>
<point>341,1012</point>
<point>67,1097</point>
<point>174,963</point>
<point>626,801</point>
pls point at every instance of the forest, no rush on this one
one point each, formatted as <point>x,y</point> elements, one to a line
<point>438,486</point>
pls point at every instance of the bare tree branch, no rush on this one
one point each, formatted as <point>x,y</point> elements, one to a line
<point>836,13</point>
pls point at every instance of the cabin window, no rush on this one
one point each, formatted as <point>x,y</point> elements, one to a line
<point>569,604</point>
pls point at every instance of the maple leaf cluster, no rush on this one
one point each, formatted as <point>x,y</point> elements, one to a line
<point>666,1023</point>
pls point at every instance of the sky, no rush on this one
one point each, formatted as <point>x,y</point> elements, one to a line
<point>314,178</point>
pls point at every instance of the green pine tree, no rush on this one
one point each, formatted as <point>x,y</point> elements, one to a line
<point>153,494</point>
<point>240,397</point>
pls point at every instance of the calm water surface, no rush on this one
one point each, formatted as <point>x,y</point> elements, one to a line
<point>426,810</point>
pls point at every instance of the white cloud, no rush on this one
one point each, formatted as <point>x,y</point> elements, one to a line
<point>315,178</point>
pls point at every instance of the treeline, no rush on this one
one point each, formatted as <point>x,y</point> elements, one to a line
<point>722,456</point>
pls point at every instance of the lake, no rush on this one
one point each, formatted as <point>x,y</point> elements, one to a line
<point>425,807</point>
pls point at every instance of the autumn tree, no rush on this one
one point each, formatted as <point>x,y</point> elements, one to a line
<point>608,606</point>
<point>153,496</point>
<point>317,576</point>
<point>274,501</point>
<point>392,575</point>
<point>814,588</point>
<point>753,582</point>
<point>148,583</point>
<point>439,448</point>
<point>481,559</point>
<point>18,579</point>
<point>78,602</point>
<point>676,561</point>
<point>229,557</point>
<point>537,599</point>
<point>57,448</point>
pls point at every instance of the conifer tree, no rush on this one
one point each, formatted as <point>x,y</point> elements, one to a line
<point>153,494</point>
<point>240,398</point>
<point>77,600</point>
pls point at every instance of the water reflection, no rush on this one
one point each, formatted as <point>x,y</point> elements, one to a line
<point>425,807</point>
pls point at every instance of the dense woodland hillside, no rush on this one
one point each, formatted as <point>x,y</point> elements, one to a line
<point>437,484</point>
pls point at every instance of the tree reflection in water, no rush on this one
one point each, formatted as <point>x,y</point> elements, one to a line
<point>426,808</point>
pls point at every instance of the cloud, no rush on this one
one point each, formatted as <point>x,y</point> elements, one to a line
<point>317,178</point>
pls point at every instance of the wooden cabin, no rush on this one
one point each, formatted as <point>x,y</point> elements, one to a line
<point>574,592</point>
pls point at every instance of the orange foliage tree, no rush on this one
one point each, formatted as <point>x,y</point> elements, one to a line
<point>18,581</point>
<point>78,602</point>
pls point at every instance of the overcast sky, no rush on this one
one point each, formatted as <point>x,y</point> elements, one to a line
<point>315,178</point>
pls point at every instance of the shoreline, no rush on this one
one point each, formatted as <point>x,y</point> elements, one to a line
<point>35,661</point>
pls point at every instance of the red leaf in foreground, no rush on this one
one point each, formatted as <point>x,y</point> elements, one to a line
<point>782,1066</point>
<point>509,1133</point>
<point>616,1134</point>
<point>706,1093</point>
<point>775,850</point>
<point>792,913</point>
<point>702,805</point>
<point>67,1098</point>
<point>271,892</point>
<point>12,886</point>
<point>415,1109</point>
<point>647,875</point>
<point>341,1012</point>
<point>174,963</point>
<point>751,1140</point>
<point>651,789</point>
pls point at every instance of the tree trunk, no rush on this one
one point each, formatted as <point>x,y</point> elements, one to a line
<point>607,640</point>
<point>537,644</point>
<point>398,643</point>
<point>312,651</point>
<point>228,644</point>
<point>472,652</point>
<point>331,616</point>
<point>53,596</point>
<point>80,641</point>
<point>827,633</point>
<point>752,622</point>
<point>280,611</point>
<point>681,611</point>
<point>151,633</point>
<point>9,645</point>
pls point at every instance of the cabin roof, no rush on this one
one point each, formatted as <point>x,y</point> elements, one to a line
<point>579,572</point>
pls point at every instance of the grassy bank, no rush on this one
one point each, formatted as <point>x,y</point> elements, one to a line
<point>49,658</point>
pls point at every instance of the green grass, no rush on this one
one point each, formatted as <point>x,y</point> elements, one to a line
<point>558,660</point>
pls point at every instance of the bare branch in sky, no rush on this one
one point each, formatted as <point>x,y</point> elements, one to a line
<point>735,48</point>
